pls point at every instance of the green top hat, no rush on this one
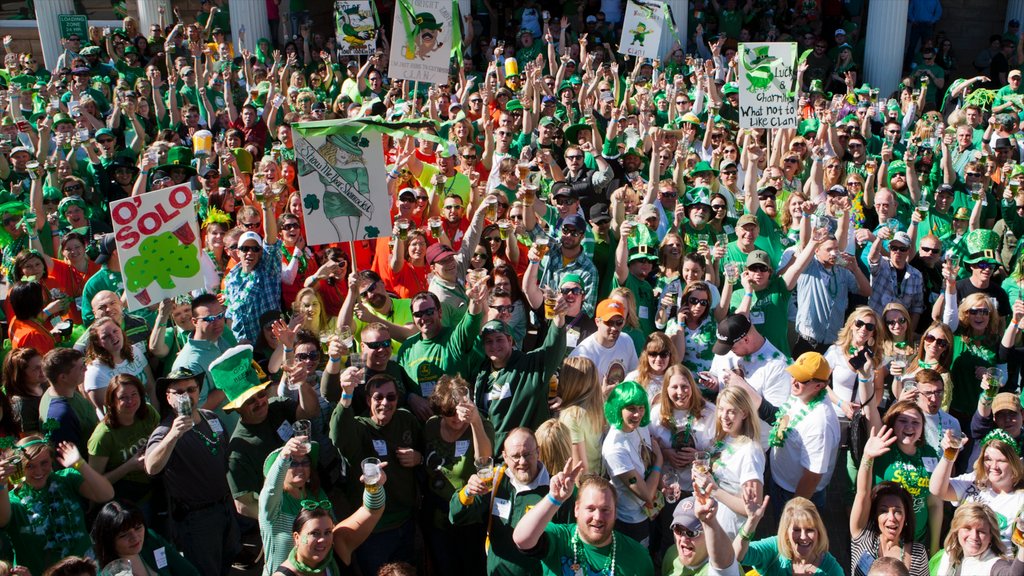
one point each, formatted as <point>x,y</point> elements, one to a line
<point>178,157</point>
<point>982,246</point>
<point>314,457</point>
<point>697,195</point>
<point>426,21</point>
<point>237,375</point>
<point>702,166</point>
<point>24,81</point>
<point>642,244</point>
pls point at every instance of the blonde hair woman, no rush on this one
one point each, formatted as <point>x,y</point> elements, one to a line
<point>310,307</point>
<point>553,446</point>
<point>800,547</point>
<point>977,328</point>
<point>582,410</point>
<point>682,422</point>
<point>860,333</point>
<point>737,458</point>
<point>972,547</point>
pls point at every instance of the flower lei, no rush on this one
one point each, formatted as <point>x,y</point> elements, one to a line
<point>783,424</point>
<point>577,569</point>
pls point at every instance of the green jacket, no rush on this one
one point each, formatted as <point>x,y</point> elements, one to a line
<point>501,512</point>
<point>517,395</point>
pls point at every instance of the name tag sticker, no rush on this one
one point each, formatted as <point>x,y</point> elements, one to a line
<point>285,432</point>
<point>644,312</point>
<point>572,338</point>
<point>929,463</point>
<point>215,425</point>
<point>380,447</point>
<point>160,555</point>
<point>503,508</point>
<point>427,388</point>
<point>756,317</point>
<point>461,447</point>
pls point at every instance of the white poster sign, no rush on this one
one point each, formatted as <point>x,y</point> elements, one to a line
<point>641,29</point>
<point>421,41</point>
<point>766,90</point>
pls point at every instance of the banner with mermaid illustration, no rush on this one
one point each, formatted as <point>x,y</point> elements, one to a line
<point>342,179</point>
<point>356,27</point>
<point>158,245</point>
<point>422,40</point>
<point>766,85</point>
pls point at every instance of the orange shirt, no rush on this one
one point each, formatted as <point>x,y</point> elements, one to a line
<point>30,334</point>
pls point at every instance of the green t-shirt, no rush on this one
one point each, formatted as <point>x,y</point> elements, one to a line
<point>769,311</point>
<point>451,463</point>
<point>120,444</point>
<point>764,556</point>
<point>913,473</point>
<point>630,556</point>
<point>425,361</point>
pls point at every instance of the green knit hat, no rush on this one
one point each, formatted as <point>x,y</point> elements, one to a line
<point>237,374</point>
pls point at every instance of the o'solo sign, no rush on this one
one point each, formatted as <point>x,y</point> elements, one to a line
<point>767,85</point>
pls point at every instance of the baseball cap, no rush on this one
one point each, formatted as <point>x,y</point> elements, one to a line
<point>944,189</point>
<point>838,190</point>
<point>810,366</point>
<point>591,18</point>
<point>747,219</point>
<point>840,32</point>
<point>684,516</point>
<point>108,247</point>
<point>730,331</point>
<point>599,213</point>
<point>648,211</point>
<point>576,221</point>
<point>250,236</point>
<point>437,252</point>
<point>563,189</point>
<point>900,237</point>
<point>759,257</point>
<point>495,327</point>
<point>1005,401</point>
<point>407,192</point>
<point>609,309</point>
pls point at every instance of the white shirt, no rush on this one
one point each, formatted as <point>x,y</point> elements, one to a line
<point>935,426</point>
<point>703,433</point>
<point>811,445</point>
<point>98,374</point>
<point>741,460</point>
<point>621,454</point>
<point>765,371</point>
<point>621,356</point>
<point>844,378</point>
<point>1005,506</point>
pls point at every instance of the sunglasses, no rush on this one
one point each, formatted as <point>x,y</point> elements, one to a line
<point>307,355</point>
<point>683,531</point>
<point>453,207</point>
<point>503,308</point>
<point>245,249</point>
<point>758,268</point>
<point>766,196</point>
<point>896,321</point>
<point>424,312</point>
<point>213,318</point>
<point>973,174</point>
<point>929,250</point>
<point>574,157</point>
<point>790,160</point>
<point>384,398</point>
<point>311,505</point>
<point>661,354</point>
<point>305,463</point>
<point>378,345</point>
<point>615,323</point>
<point>251,225</point>
<point>575,291</point>
<point>291,226</point>
<point>694,301</point>
<point>984,265</point>
<point>979,312</point>
<point>862,324</point>
<point>899,248</point>
<point>940,342</point>
<point>571,232</point>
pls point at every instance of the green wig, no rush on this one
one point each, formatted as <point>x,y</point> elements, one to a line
<point>626,394</point>
<point>14,208</point>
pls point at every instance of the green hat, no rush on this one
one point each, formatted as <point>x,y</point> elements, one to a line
<point>512,105</point>
<point>244,159</point>
<point>571,277</point>
<point>897,167</point>
<point>817,87</point>
<point>426,21</point>
<point>702,166</point>
<point>565,85</point>
<point>808,125</point>
<point>547,121</point>
<point>731,88</point>
<point>178,157</point>
<point>130,50</point>
<point>697,195</point>
<point>51,193</point>
<point>103,132</point>
<point>962,214</point>
<point>572,131</point>
<point>90,51</point>
<point>690,118</point>
<point>865,88</point>
<point>642,244</point>
<point>982,246</point>
<point>24,81</point>
<point>314,457</point>
<point>496,326</point>
<point>238,375</point>
<point>62,118</point>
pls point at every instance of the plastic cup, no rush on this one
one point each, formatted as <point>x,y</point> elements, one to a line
<point>119,567</point>
<point>503,228</point>
<point>303,428</point>
<point>436,227</point>
<point>371,474</point>
<point>403,229</point>
<point>485,471</point>
<point>542,244</point>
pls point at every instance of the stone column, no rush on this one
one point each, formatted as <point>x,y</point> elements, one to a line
<point>149,14</point>
<point>1014,11</point>
<point>680,13</point>
<point>249,16</point>
<point>886,37</point>
<point>49,30</point>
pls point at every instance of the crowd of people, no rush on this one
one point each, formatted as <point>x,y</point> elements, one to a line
<point>610,332</point>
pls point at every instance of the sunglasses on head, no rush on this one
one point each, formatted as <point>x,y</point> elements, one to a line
<point>424,312</point>
<point>940,342</point>
<point>862,324</point>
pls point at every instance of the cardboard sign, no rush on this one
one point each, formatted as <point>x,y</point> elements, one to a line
<point>641,29</point>
<point>356,27</point>
<point>766,91</point>
<point>158,245</point>
<point>343,181</point>
<point>421,41</point>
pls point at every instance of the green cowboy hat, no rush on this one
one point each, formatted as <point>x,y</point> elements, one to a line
<point>237,374</point>
<point>314,457</point>
<point>572,131</point>
<point>701,166</point>
<point>178,157</point>
<point>426,21</point>
<point>982,246</point>
<point>865,88</point>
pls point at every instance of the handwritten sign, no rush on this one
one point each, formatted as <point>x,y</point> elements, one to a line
<point>355,23</point>
<point>766,91</point>
<point>641,29</point>
<point>342,178</point>
<point>422,41</point>
<point>158,245</point>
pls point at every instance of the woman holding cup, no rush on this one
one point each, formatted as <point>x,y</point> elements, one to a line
<point>315,536</point>
<point>682,422</point>
<point>454,439</point>
<point>997,478</point>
